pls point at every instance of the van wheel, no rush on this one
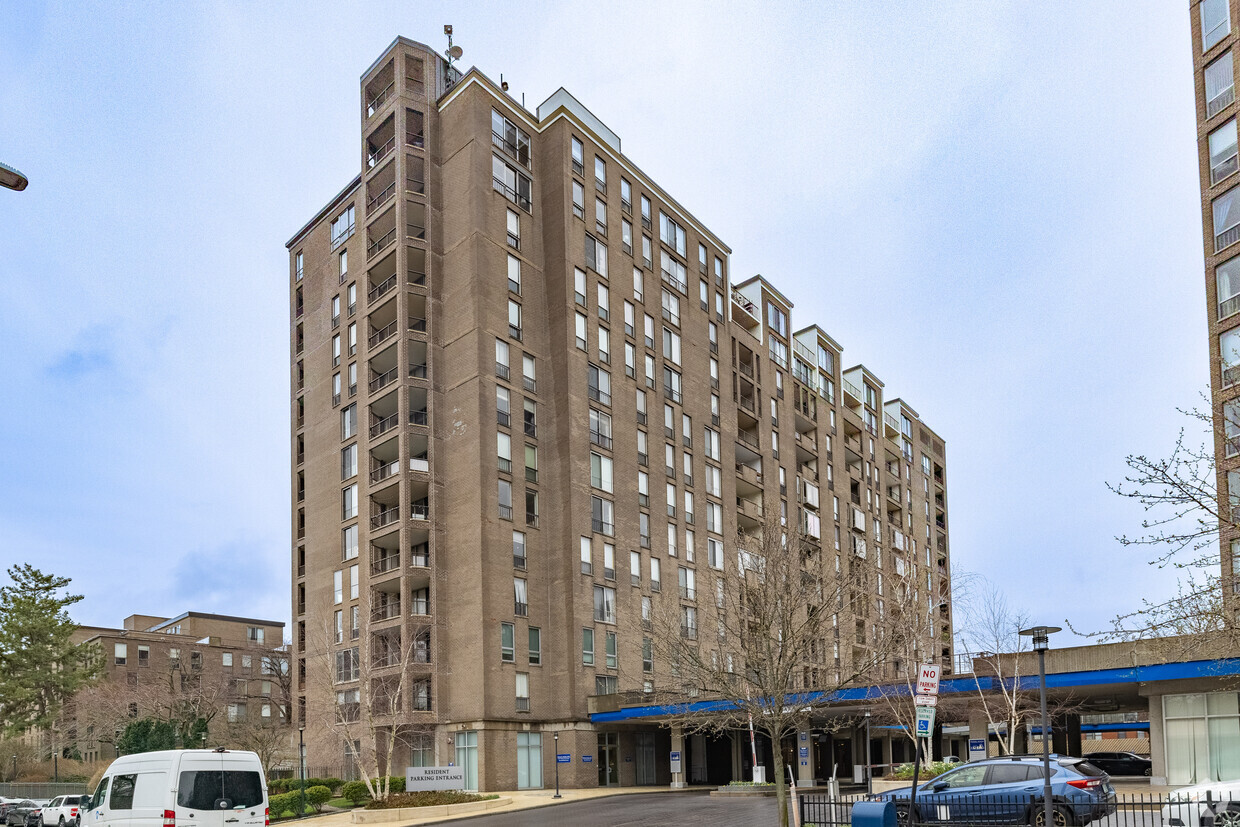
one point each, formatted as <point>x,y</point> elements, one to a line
<point>62,822</point>
<point>1229,817</point>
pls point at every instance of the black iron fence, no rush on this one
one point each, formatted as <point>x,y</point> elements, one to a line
<point>965,809</point>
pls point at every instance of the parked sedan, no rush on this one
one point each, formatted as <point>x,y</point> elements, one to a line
<point>28,813</point>
<point>1121,763</point>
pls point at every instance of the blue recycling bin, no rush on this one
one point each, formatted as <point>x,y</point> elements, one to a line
<point>874,814</point>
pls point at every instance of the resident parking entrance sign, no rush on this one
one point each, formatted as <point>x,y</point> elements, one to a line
<point>434,778</point>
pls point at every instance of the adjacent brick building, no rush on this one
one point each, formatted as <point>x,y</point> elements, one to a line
<point>528,397</point>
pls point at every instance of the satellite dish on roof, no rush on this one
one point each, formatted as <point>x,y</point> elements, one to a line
<point>455,52</point>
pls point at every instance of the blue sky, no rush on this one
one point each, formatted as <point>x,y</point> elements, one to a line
<point>993,206</point>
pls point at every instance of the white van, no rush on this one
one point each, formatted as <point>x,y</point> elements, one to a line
<point>181,788</point>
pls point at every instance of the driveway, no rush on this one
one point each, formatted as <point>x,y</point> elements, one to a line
<point>632,810</point>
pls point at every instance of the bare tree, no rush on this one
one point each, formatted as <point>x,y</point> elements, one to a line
<point>265,727</point>
<point>374,697</point>
<point>1182,498</point>
<point>759,648</point>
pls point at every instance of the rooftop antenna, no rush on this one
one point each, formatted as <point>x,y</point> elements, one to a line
<point>454,53</point>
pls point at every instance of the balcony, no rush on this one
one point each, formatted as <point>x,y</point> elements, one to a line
<point>852,394</point>
<point>749,474</point>
<point>376,100</point>
<point>382,565</point>
<point>381,289</point>
<point>385,471</point>
<point>891,426</point>
<point>383,380</point>
<point>382,426</point>
<point>381,242</point>
<point>382,334</point>
<point>739,300</point>
<point>385,518</point>
<point>420,510</point>
<point>385,611</point>
<point>378,153</point>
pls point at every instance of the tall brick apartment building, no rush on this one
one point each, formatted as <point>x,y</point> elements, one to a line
<point>1214,77</point>
<point>527,398</point>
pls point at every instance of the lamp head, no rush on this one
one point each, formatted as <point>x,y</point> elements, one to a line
<point>1041,636</point>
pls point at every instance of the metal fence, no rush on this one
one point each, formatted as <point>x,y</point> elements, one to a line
<point>969,809</point>
<point>41,790</point>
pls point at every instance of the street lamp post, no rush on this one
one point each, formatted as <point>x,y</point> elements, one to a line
<point>556,738</point>
<point>301,767</point>
<point>11,178</point>
<point>1041,642</point>
<point>14,767</point>
<point>869,784</point>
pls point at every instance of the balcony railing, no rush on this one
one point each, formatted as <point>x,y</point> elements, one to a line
<point>420,557</point>
<point>381,242</point>
<point>688,632</point>
<point>417,325</point>
<point>383,425</point>
<point>520,609</point>
<point>744,303</point>
<point>416,231</point>
<point>512,195</point>
<point>385,518</point>
<point>383,380</point>
<point>1229,307</point>
<point>419,511</point>
<point>379,153</point>
<point>382,198</point>
<point>891,422</point>
<point>382,334</point>
<point>382,565</point>
<point>377,101</point>
<point>384,471</point>
<point>1222,169</point>
<point>748,438</point>
<point>417,371</point>
<point>417,139</point>
<point>381,288</point>
<point>385,612</point>
<point>418,418</point>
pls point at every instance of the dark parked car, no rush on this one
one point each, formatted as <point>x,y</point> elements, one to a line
<point>1009,790</point>
<point>26,814</point>
<point>1121,763</point>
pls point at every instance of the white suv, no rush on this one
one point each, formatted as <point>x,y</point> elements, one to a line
<point>64,811</point>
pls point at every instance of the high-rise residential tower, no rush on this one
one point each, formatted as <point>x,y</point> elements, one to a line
<point>1214,40</point>
<point>529,402</point>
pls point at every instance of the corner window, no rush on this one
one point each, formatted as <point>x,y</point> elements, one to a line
<point>1223,151</point>
<point>1215,22</point>
<point>1227,279</point>
<point>1219,84</point>
<point>1229,355</point>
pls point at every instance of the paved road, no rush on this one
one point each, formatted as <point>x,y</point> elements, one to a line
<point>663,809</point>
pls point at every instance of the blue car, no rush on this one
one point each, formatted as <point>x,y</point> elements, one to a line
<point>1008,790</point>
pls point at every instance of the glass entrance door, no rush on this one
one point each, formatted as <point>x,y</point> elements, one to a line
<point>467,757</point>
<point>608,759</point>
<point>645,758</point>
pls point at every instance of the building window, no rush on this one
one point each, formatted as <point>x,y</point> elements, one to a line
<point>600,216</point>
<point>1219,85</point>
<point>609,641</point>
<point>505,500</point>
<point>1226,211</point>
<point>1223,151</point>
<point>587,644</point>
<point>510,138</point>
<point>1229,354</point>
<point>523,694</point>
<point>514,229</point>
<point>342,227</point>
<point>348,461</point>
<point>501,358</point>
<point>579,200</point>
<point>528,380</point>
<point>514,274</point>
<point>599,385</point>
<point>600,173</point>
<point>600,429</point>
<point>348,543</point>
<point>602,520</point>
<point>535,646</point>
<point>348,502</point>
<point>337,587</point>
<point>521,606</point>
<point>671,233</point>
<point>579,157</point>
<point>348,422</point>
<point>507,647</point>
<point>1215,22</point>
<point>511,183</point>
<point>604,605</point>
<point>514,320</point>
<point>120,653</point>
<point>596,255</point>
<point>601,472</point>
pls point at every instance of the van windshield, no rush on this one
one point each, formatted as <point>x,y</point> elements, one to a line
<point>216,790</point>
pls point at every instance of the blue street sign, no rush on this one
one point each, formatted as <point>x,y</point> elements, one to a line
<point>563,757</point>
<point>586,759</point>
<point>805,752</point>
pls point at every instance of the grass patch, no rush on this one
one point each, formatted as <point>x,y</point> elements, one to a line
<point>341,804</point>
<point>427,798</point>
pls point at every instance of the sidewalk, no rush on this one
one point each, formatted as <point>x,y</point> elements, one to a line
<point>521,800</point>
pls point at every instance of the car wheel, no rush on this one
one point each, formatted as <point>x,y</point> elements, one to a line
<point>1229,817</point>
<point>1149,771</point>
<point>1060,815</point>
<point>902,815</point>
